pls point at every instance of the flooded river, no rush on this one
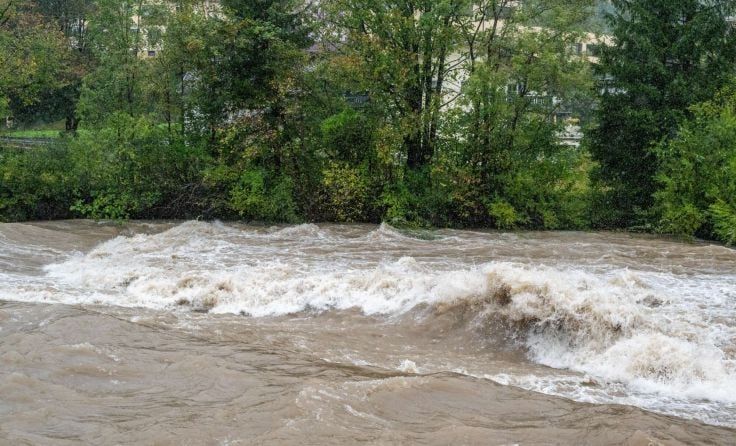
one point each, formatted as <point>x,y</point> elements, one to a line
<point>224,334</point>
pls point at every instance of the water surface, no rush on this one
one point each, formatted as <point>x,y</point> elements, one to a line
<point>211,333</point>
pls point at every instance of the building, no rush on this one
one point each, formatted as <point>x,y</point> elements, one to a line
<point>151,28</point>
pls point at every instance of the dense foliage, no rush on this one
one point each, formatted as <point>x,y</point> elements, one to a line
<point>667,55</point>
<point>445,113</point>
<point>697,173</point>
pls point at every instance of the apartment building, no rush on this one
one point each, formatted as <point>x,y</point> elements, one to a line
<point>151,30</point>
<point>587,48</point>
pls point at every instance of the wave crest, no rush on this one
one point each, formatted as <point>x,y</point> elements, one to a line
<point>619,325</point>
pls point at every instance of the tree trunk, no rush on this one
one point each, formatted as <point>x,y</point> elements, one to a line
<point>72,123</point>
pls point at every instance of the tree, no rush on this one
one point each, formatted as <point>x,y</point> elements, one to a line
<point>232,63</point>
<point>666,56</point>
<point>697,173</point>
<point>119,33</point>
<point>182,69</point>
<point>71,18</point>
<point>246,91</point>
<point>406,48</point>
<point>522,73</point>
<point>46,58</point>
<point>32,58</point>
<point>472,87</point>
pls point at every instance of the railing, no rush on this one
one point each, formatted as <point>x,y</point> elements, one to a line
<point>24,143</point>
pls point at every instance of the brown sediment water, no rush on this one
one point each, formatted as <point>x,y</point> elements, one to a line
<point>225,334</point>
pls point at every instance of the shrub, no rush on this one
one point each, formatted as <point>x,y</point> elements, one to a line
<point>724,221</point>
<point>134,168</point>
<point>36,183</point>
<point>255,198</point>
<point>346,190</point>
<point>697,173</point>
<point>504,215</point>
<point>347,136</point>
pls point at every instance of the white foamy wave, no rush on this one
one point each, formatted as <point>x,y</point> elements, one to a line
<point>304,230</point>
<point>408,366</point>
<point>194,229</point>
<point>622,330</point>
<point>385,232</point>
<point>588,389</point>
<point>262,289</point>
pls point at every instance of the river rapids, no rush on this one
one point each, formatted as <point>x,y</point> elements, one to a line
<point>224,334</point>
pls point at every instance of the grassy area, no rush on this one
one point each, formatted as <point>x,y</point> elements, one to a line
<point>31,134</point>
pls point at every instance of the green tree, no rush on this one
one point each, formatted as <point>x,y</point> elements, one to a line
<point>511,168</point>
<point>180,72</point>
<point>119,33</point>
<point>71,19</point>
<point>666,55</point>
<point>697,173</point>
<point>33,58</point>
<point>255,93</point>
<point>405,49</point>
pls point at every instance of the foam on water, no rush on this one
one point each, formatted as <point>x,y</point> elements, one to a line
<point>660,336</point>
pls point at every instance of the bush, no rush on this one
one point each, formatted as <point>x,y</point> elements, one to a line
<point>255,198</point>
<point>683,219</point>
<point>134,168</point>
<point>36,184</point>
<point>347,136</point>
<point>504,215</point>
<point>724,221</point>
<point>346,190</point>
<point>697,173</point>
<point>395,203</point>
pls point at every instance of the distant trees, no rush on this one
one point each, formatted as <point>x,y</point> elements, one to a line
<point>422,112</point>
<point>471,91</point>
<point>522,71</point>
<point>44,59</point>
<point>32,60</point>
<point>414,112</point>
<point>71,18</point>
<point>407,48</point>
<point>666,56</point>
<point>214,95</point>
<point>120,80</point>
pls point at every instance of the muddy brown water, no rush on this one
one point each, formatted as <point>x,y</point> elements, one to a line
<point>223,334</point>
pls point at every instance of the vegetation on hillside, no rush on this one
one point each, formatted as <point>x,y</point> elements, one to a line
<point>444,113</point>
